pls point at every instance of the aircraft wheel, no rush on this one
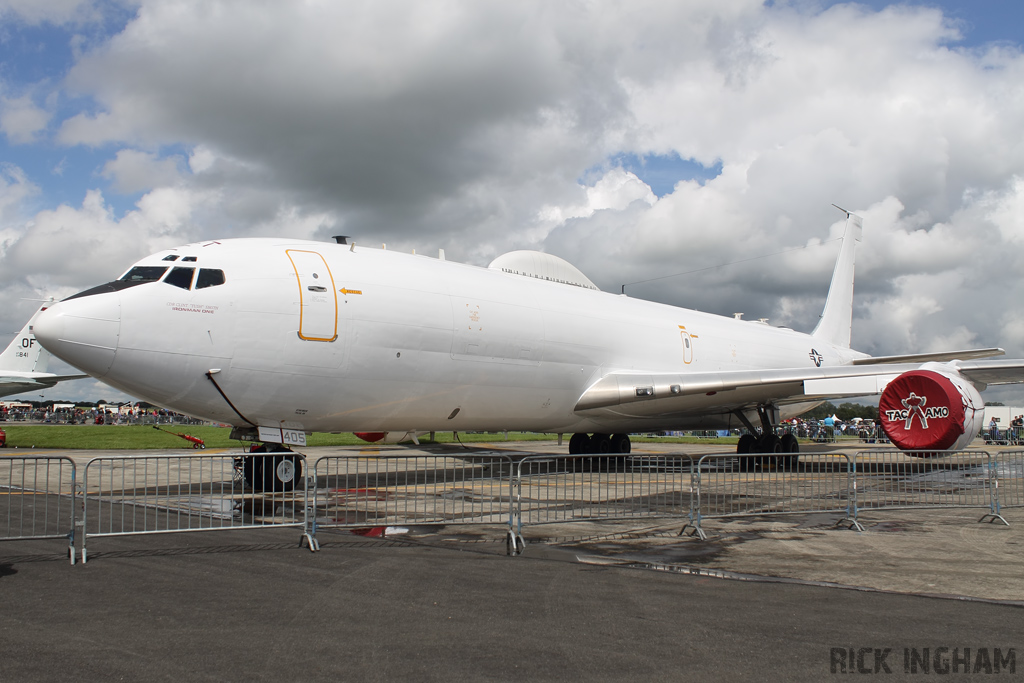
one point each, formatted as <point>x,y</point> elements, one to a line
<point>746,444</point>
<point>578,443</point>
<point>789,462</point>
<point>272,473</point>
<point>621,443</point>
<point>601,443</point>
<point>770,444</point>
<point>790,444</point>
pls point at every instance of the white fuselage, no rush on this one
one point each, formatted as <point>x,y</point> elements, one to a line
<point>316,336</point>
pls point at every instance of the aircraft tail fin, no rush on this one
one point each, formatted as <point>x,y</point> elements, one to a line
<point>24,353</point>
<point>837,318</point>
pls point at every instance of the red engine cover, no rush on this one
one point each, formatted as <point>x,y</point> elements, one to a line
<point>922,410</point>
<point>371,437</point>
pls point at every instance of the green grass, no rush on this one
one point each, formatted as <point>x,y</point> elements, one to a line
<point>109,437</point>
<point>144,437</point>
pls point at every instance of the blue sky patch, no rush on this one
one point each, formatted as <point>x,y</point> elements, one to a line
<point>980,21</point>
<point>662,171</point>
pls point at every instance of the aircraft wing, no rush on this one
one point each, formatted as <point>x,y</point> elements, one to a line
<point>645,394</point>
<point>940,357</point>
<point>1002,371</point>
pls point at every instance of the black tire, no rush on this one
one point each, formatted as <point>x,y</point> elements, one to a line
<point>789,462</point>
<point>601,443</point>
<point>791,447</point>
<point>769,444</point>
<point>577,443</point>
<point>272,473</point>
<point>790,444</point>
<point>746,444</point>
<point>621,443</point>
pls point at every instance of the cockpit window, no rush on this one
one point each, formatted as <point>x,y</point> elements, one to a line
<point>180,277</point>
<point>136,276</point>
<point>140,274</point>
<point>172,257</point>
<point>190,258</point>
<point>209,277</point>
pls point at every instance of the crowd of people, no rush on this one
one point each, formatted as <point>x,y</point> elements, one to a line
<point>105,414</point>
<point>1013,435</point>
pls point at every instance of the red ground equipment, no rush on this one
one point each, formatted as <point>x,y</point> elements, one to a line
<point>3,439</point>
<point>195,440</point>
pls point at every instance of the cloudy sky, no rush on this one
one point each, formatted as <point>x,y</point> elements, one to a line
<point>693,148</point>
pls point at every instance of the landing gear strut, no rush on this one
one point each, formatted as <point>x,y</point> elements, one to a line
<point>779,452</point>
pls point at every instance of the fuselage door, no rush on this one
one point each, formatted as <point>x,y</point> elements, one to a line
<point>687,340</point>
<point>318,317</point>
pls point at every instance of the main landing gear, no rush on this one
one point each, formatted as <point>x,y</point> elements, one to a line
<point>772,451</point>
<point>580,444</point>
<point>275,473</point>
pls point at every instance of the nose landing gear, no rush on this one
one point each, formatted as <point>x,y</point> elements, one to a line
<point>274,473</point>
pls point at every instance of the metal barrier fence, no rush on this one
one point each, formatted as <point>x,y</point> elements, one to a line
<point>819,483</point>
<point>892,479</point>
<point>369,491</point>
<point>1009,473</point>
<point>149,494</point>
<point>37,499</point>
<point>1007,436</point>
<point>549,490</point>
<point>152,494</point>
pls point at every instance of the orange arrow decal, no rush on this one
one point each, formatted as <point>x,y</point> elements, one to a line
<point>350,291</point>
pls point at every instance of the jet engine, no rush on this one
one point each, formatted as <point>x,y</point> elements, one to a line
<point>931,409</point>
<point>389,437</point>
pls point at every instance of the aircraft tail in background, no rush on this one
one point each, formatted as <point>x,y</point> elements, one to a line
<point>837,318</point>
<point>24,353</point>
<point>23,363</point>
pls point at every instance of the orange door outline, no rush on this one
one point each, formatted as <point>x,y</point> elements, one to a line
<point>312,309</point>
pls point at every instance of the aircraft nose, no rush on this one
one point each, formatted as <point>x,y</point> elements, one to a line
<point>82,331</point>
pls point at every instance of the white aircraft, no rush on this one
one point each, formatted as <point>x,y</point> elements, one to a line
<point>23,363</point>
<point>280,337</point>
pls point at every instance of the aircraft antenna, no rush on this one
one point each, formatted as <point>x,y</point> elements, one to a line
<point>341,239</point>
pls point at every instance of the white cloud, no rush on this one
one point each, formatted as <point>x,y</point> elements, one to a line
<point>21,119</point>
<point>616,190</point>
<point>135,171</point>
<point>469,126</point>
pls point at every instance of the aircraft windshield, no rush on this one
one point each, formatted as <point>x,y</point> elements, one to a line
<point>180,277</point>
<point>140,274</point>
<point>136,276</point>
<point>209,277</point>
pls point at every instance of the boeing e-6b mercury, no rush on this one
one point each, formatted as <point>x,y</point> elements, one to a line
<point>280,337</point>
